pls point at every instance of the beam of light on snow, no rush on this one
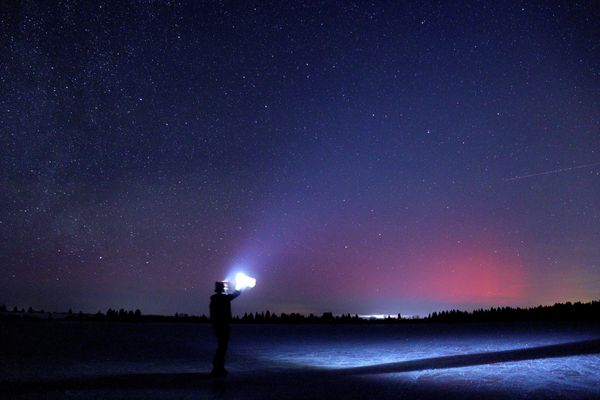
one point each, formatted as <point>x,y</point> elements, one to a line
<point>243,281</point>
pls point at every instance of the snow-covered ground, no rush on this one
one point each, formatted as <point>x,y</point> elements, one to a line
<point>64,360</point>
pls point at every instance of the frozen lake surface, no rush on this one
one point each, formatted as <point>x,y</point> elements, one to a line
<point>81,360</point>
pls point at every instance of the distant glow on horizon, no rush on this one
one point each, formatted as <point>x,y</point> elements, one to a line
<point>377,316</point>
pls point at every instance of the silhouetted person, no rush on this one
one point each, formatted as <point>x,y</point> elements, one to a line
<point>220,317</point>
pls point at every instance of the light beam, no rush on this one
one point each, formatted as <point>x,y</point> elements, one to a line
<point>243,281</point>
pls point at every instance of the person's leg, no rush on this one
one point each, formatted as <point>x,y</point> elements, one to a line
<point>222,333</point>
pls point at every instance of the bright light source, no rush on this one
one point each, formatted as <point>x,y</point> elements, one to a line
<point>243,281</point>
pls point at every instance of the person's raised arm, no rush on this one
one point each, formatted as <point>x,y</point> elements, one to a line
<point>235,294</point>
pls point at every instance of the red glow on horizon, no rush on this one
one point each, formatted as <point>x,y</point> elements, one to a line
<point>465,275</point>
<point>472,277</point>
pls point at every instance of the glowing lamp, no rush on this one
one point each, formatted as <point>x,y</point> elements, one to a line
<point>243,281</point>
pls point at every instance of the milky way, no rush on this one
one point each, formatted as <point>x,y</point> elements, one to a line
<point>350,156</point>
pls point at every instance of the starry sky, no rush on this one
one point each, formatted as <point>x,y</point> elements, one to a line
<point>361,157</point>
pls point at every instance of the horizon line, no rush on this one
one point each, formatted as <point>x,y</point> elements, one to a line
<point>23,310</point>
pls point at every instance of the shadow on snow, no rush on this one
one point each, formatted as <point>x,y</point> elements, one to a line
<point>198,380</point>
<point>468,360</point>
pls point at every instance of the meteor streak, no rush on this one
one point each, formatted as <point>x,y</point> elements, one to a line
<point>554,171</point>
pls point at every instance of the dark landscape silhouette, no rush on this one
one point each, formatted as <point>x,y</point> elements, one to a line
<point>577,311</point>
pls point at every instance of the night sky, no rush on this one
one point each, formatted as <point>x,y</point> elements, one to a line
<point>357,157</point>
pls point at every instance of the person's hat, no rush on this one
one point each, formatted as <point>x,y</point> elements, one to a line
<point>219,287</point>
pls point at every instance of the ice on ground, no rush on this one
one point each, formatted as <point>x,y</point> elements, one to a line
<point>110,360</point>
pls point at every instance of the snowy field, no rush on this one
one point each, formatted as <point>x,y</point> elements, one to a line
<point>82,360</point>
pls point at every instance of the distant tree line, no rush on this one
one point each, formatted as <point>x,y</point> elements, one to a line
<point>4,309</point>
<point>137,316</point>
<point>111,315</point>
<point>294,318</point>
<point>558,312</point>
